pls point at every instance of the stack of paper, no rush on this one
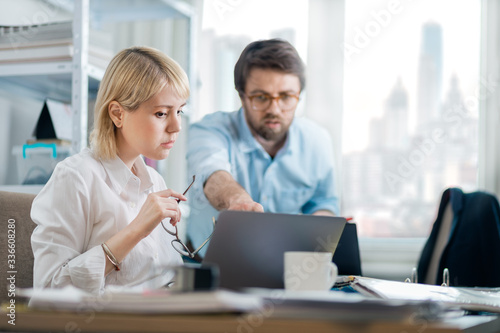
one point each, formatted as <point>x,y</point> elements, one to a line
<point>340,306</point>
<point>46,42</point>
<point>152,302</point>
<point>24,35</point>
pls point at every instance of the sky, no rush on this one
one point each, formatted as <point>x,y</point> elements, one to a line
<point>390,52</point>
<point>257,18</point>
<point>393,52</point>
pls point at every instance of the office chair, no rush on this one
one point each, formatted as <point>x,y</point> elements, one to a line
<point>15,209</point>
<point>465,238</point>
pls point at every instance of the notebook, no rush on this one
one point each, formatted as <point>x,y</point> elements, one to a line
<point>248,247</point>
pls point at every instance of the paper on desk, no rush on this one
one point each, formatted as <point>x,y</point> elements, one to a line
<point>152,302</point>
<point>338,305</point>
<point>53,297</point>
<point>474,299</point>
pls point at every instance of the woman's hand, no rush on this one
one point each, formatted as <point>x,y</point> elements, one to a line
<point>159,206</point>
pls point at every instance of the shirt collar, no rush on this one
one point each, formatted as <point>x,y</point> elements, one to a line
<point>119,174</point>
<point>248,143</point>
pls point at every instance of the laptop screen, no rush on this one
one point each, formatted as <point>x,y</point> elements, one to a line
<point>248,247</point>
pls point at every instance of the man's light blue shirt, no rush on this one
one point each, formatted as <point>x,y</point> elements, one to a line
<point>298,180</point>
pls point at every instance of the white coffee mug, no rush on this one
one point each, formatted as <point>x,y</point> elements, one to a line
<point>309,270</point>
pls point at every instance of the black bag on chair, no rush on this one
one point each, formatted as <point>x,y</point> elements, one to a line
<point>471,247</point>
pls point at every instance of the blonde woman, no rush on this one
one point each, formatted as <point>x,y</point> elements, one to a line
<point>98,216</point>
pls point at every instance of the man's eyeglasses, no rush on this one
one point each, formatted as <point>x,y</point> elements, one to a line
<point>262,101</point>
<point>177,244</point>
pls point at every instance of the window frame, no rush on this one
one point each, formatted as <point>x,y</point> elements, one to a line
<point>394,258</point>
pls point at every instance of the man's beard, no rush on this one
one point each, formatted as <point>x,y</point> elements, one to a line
<point>270,134</point>
<point>262,130</point>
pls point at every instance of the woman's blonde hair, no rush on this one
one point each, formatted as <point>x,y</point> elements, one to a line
<point>133,76</point>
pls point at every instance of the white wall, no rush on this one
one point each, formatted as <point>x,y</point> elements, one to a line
<point>489,98</point>
<point>18,113</point>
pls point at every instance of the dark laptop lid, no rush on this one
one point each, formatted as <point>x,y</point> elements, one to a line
<point>346,256</point>
<point>248,247</point>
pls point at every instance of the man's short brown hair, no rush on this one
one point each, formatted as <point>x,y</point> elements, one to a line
<point>275,54</point>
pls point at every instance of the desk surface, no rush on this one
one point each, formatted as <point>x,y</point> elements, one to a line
<point>37,321</point>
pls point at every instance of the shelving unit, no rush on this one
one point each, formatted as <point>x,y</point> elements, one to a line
<point>76,80</point>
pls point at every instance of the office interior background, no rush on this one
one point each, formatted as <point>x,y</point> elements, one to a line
<point>409,91</point>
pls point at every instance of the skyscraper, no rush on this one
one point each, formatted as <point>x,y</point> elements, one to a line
<point>430,74</point>
<point>391,132</point>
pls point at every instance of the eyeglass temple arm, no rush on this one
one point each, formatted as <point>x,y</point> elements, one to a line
<point>191,184</point>
<point>176,231</point>
<point>206,240</point>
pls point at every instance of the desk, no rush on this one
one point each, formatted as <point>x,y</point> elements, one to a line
<point>38,321</point>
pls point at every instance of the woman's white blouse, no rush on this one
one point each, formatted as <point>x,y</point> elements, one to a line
<point>86,202</point>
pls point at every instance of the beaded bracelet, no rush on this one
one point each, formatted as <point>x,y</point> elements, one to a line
<point>110,256</point>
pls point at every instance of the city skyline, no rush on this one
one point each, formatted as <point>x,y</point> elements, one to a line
<point>392,186</point>
<point>395,53</point>
<point>393,170</point>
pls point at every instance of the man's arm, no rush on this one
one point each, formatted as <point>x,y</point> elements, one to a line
<point>324,212</point>
<point>223,192</point>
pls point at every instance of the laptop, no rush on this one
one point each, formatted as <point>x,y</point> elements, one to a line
<point>346,256</point>
<point>248,247</point>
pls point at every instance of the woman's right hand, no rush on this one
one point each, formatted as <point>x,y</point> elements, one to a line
<point>159,206</point>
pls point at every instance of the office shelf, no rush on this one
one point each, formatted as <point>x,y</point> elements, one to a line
<point>45,79</point>
<point>49,67</point>
<point>76,80</point>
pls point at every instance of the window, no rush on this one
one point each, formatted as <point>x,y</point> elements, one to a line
<point>229,26</point>
<point>410,111</point>
<point>410,101</point>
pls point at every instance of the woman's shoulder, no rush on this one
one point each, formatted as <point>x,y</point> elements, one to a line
<point>83,164</point>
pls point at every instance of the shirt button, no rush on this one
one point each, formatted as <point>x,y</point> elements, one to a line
<point>156,255</point>
<point>264,198</point>
<point>132,204</point>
